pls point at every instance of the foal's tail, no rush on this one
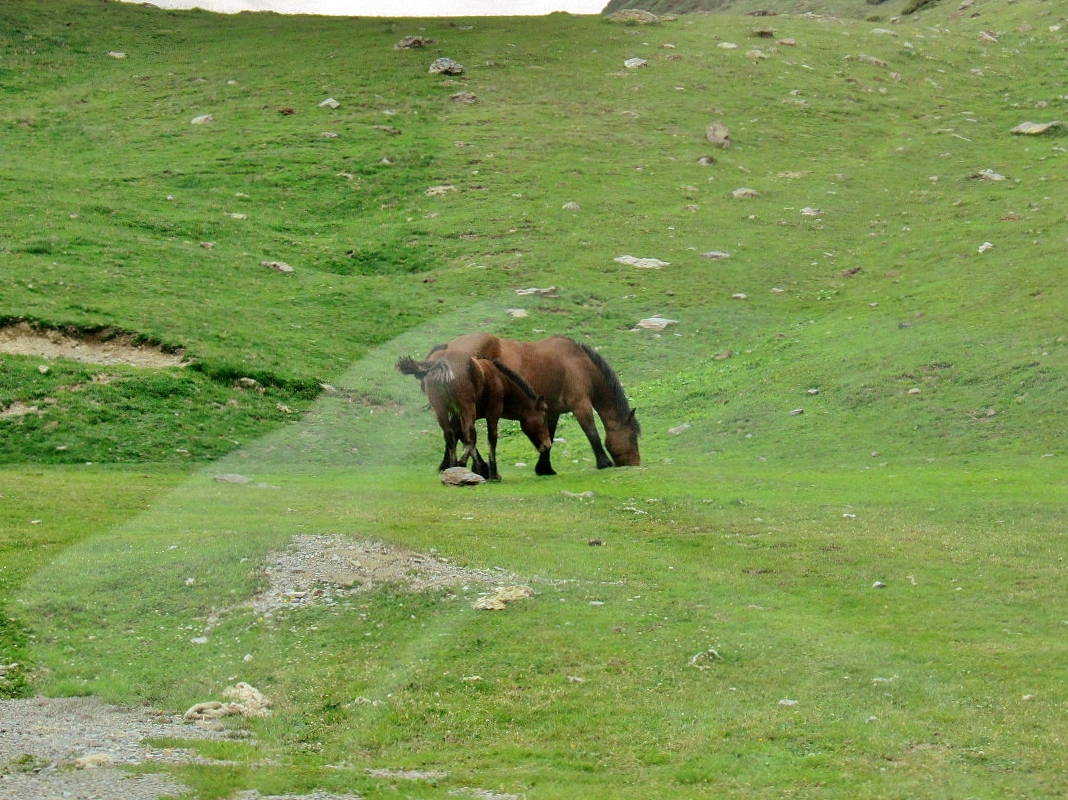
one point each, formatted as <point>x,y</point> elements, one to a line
<point>438,371</point>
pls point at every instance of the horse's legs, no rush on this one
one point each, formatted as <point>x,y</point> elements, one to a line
<point>448,431</point>
<point>544,465</point>
<point>584,415</point>
<point>491,434</point>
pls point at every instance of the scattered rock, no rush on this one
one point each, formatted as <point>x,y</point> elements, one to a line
<point>328,135</point>
<point>413,43</point>
<point>762,33</point>
<point>548,291</point>
<point>392,131</point>
<point>797,412</point>
<point>679,429</point>
<point>518,313</point>
<point>882,32</point>
<point>706,161</point>
<point>440,191</point>
<point>755,54</point>
<point>232,477</point>
<point>878,585</point>
<point>329,102</point>
<point>716,255</point>
<point>788,702</point>
<point>468,98</point>
<point>116,54</point>
<point>1034,128</point>
<point>461,476</point>
<point>595,543</point>
<point>787,42</point>
<point>988,37</point>
<point>739,296</point>
<point>578,495</point>
<point>501,597</point>
<point>705,659</point>
<point>635,63</point>
<point>572,206</point>
<point>914,390</point>
<point>875,62</point>
<point>245,701</point>
<point>642,263</point>
<point>635,15</point>
<point>745,192</point>
<point>727,46</point>
<point>718,134</point>
<point>446,66</point>
<point>656,323</point>
<point>986,247</point>
<point>988,175</point>
<point>277,266</point>
<point>810,212</point>
<point>204,119</point>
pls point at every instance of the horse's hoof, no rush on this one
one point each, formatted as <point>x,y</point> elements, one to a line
<point>545,472</point>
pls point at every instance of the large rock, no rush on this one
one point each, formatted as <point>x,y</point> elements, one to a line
<point>461,476</point>
<point>446,66</point>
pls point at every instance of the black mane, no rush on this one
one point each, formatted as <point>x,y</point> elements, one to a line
<point>515,378</point>
<point>619,396</point>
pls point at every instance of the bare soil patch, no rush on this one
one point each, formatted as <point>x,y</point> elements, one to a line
<point>323,568</point>
<point>76,747</point>
<point>23,339</point>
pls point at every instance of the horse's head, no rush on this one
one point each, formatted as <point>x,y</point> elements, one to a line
<point>621,441</point>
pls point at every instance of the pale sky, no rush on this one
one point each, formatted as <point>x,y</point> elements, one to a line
<point>393,8</point>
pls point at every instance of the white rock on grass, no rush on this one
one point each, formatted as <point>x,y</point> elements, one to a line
<point>642,263</point>
<point>656,323</point>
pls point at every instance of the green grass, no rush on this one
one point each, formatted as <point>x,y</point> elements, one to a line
<point>754,531</point>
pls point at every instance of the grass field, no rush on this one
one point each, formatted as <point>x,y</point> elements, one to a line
<point>885,404</point>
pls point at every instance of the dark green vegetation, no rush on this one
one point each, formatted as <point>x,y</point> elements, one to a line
<point>927,459</point>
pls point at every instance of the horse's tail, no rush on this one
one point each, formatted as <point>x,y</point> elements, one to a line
<point>437,371</point>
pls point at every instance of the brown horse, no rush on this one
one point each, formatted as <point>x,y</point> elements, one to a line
<point>571,377</point>
<point>462,389</point>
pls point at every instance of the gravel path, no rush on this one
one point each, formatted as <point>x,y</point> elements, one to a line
<point>71,748</point>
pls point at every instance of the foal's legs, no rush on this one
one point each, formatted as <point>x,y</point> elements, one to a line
<point>491,434</point>
<point>448,431</point>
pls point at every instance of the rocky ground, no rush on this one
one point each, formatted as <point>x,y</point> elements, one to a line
<point>75,748</point>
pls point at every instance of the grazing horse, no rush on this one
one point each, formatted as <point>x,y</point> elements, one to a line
<point>570,376</point>
<point>462,389</point>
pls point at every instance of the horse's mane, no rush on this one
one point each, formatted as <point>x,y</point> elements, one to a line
<point>615,388</point>
<point>515,378</point>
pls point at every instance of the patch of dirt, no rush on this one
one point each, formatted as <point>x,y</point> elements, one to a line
<point>325,568</point>
<point>22,339</point>
<point>76,747</point>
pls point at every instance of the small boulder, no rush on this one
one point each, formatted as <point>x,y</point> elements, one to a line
<point>446,66</point>
<point>461,476</point>
<point>412,43</point>
<point>717,133</point>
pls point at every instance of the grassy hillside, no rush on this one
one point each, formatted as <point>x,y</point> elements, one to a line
<point>869,387</point>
